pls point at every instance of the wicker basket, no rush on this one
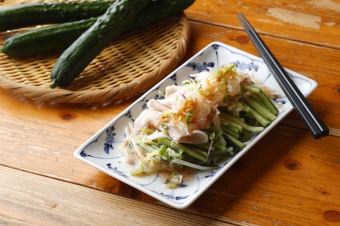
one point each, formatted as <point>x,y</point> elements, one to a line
<point>126,68</point>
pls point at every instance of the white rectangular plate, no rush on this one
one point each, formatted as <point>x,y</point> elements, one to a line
<point>102,149</point>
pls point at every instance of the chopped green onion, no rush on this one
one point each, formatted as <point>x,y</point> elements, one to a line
<point>175,180</point>
<point>138,170</point>
<point>169,154</point>
<point>145,147</point>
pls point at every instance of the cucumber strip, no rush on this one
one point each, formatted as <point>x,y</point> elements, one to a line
<point>263,97</point>
<point>268,102</point>
<point>196,148</point>
<point>179,147</point>
<point>260,109</point>
<point>252,89</point>
<point>233,126</point>
<point>235,141</point>
<point>204,153</point>
<point>228,118</point>
<point>259,101</point>
<point>259,118</point>
<point>224,152</point>
<point>204,147</point>
<point>226,129</point>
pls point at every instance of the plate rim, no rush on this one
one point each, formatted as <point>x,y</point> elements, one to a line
<point>234,159</point>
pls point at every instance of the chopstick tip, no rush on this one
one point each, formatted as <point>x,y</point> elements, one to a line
<point>240,16</point>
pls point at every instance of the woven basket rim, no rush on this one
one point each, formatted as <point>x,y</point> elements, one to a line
<point>59,95</point>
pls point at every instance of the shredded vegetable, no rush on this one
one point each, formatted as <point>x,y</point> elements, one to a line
<point>198,125</point>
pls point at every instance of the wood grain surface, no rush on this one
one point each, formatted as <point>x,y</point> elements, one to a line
<point>309,21</point>
<point>286,179</point>
<point>23,201</point>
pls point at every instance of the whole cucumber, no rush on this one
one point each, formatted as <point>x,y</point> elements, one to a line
<point>109,26</point>
<point>38,41</point>
<point>27,14</point>
<point>46,39</point>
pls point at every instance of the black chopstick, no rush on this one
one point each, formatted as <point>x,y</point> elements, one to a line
<point>317,127</point>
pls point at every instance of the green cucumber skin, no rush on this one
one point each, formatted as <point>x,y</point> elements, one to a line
<point>45,40</point>
<point>109,26</point>
<point>38,41</point>
<point>28,14</point>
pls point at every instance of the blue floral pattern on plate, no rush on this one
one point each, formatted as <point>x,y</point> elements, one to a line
<point>102,150</point>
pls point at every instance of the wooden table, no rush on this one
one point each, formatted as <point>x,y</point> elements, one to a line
<point>286,179</point>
